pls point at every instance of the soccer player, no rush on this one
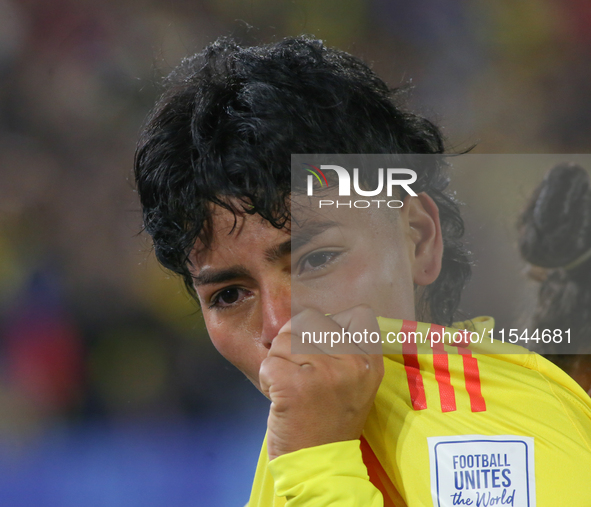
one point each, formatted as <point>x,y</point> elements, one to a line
<point>462,425</point>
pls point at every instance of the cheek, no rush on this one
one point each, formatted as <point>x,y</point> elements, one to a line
<point>237,342</point>
<point>378,279</point>
<point>391,286</point>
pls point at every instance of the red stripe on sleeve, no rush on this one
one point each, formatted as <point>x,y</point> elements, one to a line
<point>412,367</point>
<point>441,366</point>
<point>472,376</point>
<point>377,475</point>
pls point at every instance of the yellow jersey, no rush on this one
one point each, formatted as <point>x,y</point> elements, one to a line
<point>472,422</point>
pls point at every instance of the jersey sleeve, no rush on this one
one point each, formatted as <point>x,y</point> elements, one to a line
<point>331,474</point>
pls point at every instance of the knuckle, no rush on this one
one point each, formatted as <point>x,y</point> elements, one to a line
<point>305,315</point>
<point>363,309</point>
<point>280,339</point>
<point>268,368</point>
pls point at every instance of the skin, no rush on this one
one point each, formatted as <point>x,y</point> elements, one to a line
<point>353,264</point>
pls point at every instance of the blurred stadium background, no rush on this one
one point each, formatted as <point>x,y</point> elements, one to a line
<point>110,392</point>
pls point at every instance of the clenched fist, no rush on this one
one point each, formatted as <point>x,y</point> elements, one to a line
<point>325,395</point>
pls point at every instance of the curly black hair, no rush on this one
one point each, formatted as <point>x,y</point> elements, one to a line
<point>228,121</point>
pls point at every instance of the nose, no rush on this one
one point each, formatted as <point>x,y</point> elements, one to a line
<point>276,311</point>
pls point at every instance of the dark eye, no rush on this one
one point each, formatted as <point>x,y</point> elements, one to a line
<point>228,297</point>
<point>316,260</point>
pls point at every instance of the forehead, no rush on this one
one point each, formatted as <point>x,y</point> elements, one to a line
<point>353,216</point>
<point>235,234</point>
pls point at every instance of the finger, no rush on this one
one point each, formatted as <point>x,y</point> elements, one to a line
<point>272,369</point>
<point>286,345</point>
<point>361,321</point>
<point>297,345</point>
<point>313,327</point>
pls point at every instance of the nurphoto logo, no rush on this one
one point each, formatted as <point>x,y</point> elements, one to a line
<point>391,180</point>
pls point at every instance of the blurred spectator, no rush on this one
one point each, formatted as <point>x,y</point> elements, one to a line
<point>555,239</point>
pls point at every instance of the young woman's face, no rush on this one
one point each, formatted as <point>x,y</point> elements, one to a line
<point>255,277</point>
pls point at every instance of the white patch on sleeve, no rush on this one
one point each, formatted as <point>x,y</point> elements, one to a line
<point>482,471</point>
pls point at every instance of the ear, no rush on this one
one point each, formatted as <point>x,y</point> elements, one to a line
<point>425,243</point>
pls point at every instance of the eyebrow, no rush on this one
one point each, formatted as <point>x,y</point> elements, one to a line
<point>276,252</point>
<point>298,239</point>
<point>214,276</point>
